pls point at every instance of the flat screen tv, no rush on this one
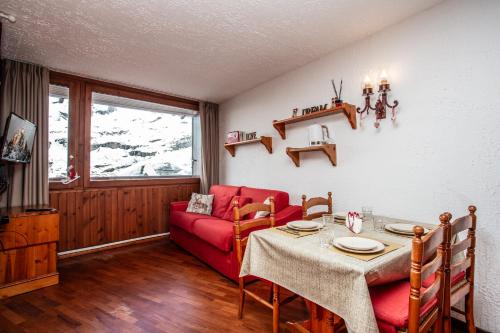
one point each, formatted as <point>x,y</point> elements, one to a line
<point>17,143</point>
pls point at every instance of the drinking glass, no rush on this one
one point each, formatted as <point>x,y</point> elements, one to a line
<point>368,216</point>
<point>379,224</point>
<point>325,238</point>
<point>327,220</point>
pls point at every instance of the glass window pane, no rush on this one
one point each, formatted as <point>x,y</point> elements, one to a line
<point>132,138</point>
<point>58,131</point>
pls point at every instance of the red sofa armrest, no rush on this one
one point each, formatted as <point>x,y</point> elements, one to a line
<point>180,206</point>
<point>290,213</point>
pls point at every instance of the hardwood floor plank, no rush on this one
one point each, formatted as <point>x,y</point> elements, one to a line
<point>145,288</point>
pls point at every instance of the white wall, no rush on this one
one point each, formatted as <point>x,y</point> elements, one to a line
<point>442,154</point>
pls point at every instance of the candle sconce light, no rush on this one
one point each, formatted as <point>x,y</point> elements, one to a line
<point>381,104</point>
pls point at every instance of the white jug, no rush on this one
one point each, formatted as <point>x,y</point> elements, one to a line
<point>318,135</point>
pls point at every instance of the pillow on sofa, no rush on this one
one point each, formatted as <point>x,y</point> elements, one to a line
<point>242,201</point>
<point>262,213</point>
<point>200,204</point>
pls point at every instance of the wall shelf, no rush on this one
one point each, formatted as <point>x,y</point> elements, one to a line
<point>348,110</point>
<point>267,141</point>
<point>329,150</point>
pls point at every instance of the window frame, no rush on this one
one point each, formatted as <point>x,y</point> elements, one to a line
<point>79,136</point>
<point>73,128</point>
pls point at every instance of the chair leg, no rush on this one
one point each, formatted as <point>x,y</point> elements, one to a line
<point>271,294</point>
<point>276,308</point>
<point>241,298</point>
<point>469,312</point>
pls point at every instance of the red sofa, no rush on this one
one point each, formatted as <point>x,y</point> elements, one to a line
<point>211,238</point>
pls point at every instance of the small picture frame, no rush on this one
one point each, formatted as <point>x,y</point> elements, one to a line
<point>233,137</point>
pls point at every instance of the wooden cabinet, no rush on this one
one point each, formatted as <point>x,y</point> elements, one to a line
<point>28,250</point>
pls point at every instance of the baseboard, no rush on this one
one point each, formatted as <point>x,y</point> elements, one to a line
<point>24,286</point>
<point>109,246</point>
<point>460,325</point>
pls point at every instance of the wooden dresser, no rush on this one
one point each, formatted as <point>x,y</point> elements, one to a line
<point>28,249</point>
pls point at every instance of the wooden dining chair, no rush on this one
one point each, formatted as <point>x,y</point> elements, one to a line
<point>317,201</point>
<point>407,306</point>
<point>241,232</point>
<point>460,279</point>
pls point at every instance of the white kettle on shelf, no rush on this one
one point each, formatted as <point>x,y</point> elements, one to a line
<point>319,135</point>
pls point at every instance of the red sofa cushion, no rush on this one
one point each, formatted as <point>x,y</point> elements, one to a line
<point>242,201</point>
<point>185,220</point>
<point>222,198</point>
<point>216,232</point>
<point>281,199</point>
<point>391,303</point>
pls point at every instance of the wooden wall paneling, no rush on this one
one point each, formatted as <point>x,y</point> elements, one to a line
<point>91,217</point>
<point>71,220</point>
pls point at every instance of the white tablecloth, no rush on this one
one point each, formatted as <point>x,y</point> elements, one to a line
<point>332,280</point>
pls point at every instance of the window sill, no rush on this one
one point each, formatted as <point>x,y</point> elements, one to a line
<point>126,182</point>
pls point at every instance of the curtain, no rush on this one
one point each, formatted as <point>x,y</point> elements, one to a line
<point>209,121</point>
<point>25,91</point>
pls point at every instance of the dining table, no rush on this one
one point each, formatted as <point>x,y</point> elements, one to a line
<point>332,280</point>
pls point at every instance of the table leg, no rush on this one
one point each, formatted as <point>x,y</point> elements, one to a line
<point>320,321</point>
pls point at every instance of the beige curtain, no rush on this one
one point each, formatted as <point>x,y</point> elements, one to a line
<point>209,121</point>
<point>25,91</point>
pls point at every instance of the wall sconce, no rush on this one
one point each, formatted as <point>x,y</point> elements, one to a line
<point>381,104</point>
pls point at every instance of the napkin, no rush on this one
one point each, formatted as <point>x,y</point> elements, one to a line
<point>353,222</point>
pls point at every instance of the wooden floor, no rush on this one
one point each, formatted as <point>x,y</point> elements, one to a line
<point>146,288</point>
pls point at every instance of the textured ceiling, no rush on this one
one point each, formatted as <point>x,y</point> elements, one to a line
<point>208,50</point>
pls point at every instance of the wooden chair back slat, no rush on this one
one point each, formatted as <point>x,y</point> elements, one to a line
<point>431,267</point>
<point>460,266</point>
<point>316,201</point>
<point>459,293</point>
<point>432,241</point>
<point>253,208</point>
<point>261,222</point>
<point>429,320</point>
<point>461,224</point>
<point>431,291</point>
<point>460,247</point>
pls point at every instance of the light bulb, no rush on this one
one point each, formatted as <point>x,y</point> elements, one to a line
<point>383,77</point>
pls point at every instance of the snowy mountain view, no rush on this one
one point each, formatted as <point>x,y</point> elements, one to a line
<point>131,143</point>
<point>58,137</point>
<point>125,142</point>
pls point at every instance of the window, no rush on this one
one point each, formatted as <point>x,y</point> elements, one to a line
<point>58,131</point>
<point>134,138</point>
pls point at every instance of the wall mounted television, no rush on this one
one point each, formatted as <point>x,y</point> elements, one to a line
<point>18,139</point>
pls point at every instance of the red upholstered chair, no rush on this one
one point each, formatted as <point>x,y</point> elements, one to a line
<point>460,280</point>
<point>317,201</point>
<point>407,306</point>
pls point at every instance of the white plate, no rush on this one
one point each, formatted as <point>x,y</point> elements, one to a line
<point>402,228</point>
<point>358,243</point>
<point>304,225</point>
<point>340,215</point>
<point>379,248</point>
